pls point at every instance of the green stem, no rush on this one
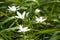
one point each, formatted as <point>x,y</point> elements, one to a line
<point>23,35</point>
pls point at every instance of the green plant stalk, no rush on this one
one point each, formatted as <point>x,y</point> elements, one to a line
<point>4,36</point>
<point>47,31</point>
<point>51,12</point>
<point>49,2</point>
<point>9,29</point>
<point>4,14</point>
<point>24,36</point>
<point>10,18</point>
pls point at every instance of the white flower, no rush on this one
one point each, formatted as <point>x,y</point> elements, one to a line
<point>37,10</point>
<point>40,19</point>
<point>13,8</point>
<point>21,29</point>
<point>22,16</point>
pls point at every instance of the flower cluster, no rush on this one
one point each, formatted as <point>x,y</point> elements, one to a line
<point>23,15</point>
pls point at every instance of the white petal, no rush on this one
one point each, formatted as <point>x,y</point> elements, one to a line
<point>41,18</point>
<point>9,7</point>
<point>13,7</point>
<point>19,14</point>
<point>28,29</point>
<point>23,15</point>
<point>37,19</point>
<point>37,10</point>
<point>25,28</point>
<point>20,27</point>
<point>17,17</point>
<point>19,31</point>
<point>27,14</point>
<point>17,8</point>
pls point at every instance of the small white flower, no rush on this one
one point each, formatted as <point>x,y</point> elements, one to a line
<point>37,10</point>
<point>22,16</point>
<point>13,8</point>
<point>21,29</point>
<point>40,19</point>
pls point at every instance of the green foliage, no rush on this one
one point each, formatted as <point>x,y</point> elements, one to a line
<point>50,30</point>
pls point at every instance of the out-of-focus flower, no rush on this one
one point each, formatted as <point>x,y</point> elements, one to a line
<point>37,10</point>
<point>33,0</point>
<point>21,29</point>
<point>22,16</point>
<point>40,19</point>
<point>13,8</point>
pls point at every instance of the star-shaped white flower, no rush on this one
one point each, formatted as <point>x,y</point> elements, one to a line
<point>21,29</point>
<point>22,16</point>
<point>13,8</point>
<point>40,19</point>
<point>37,10</point>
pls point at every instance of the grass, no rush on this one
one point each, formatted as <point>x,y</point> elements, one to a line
<point>47,30</point>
